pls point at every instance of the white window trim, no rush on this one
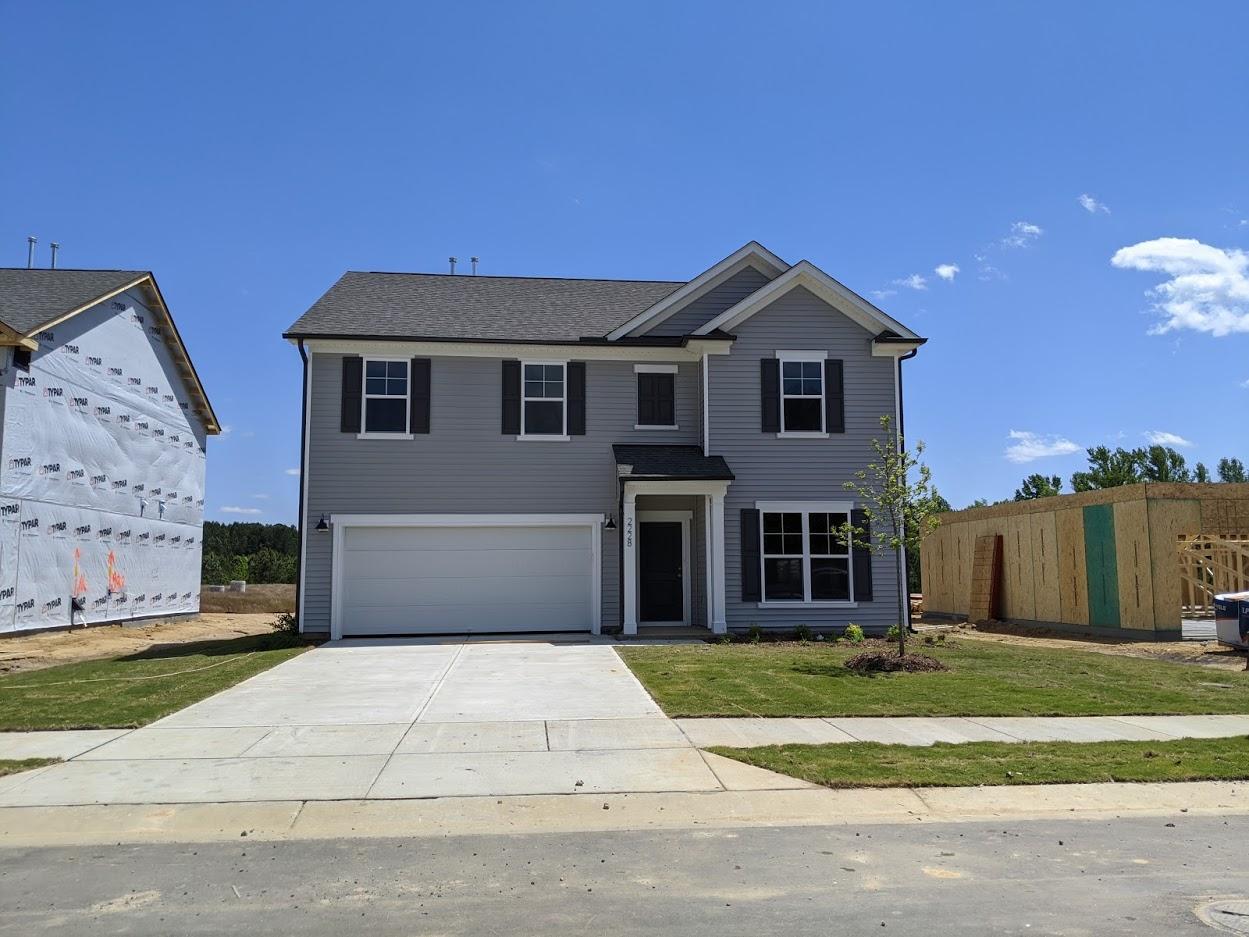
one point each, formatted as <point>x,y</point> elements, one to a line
<point>365,397</point>
<point>656,369</point>
<point>802,356</point>
<point>548,437</point>
<point>805,508</point>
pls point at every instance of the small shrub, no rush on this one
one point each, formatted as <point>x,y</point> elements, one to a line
<point>803,633</point>
<point>941,637</point>
<point>755,634</point>
<point>286,623</point>
<point>930,639</point>
<point>893,633</point>
<point>725,638</point>
<point>853,633</point>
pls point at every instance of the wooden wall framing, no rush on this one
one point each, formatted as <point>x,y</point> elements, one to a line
<point>1157,548</point>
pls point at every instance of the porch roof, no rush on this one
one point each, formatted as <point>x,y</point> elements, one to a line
<point>682,463</point>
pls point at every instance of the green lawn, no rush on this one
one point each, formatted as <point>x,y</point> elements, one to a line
<point>984,679</point>
<point>124,692</point>
<point>14,765</point>
<point>870,764</point>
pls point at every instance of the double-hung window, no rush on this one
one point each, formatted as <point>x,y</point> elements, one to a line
<point>802,393</point>
<point>805,555</point>
<point>543,399</point>
<point>385,396</point>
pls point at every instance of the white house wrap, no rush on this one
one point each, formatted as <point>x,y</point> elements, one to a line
<point>102,473</point>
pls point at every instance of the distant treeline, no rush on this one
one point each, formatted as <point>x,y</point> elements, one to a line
<point>253,552</point>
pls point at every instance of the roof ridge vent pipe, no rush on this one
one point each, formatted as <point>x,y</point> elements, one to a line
<point>55,247</point>
<point>31,241</point>
<point>452,262</point>
<point>474,260</point>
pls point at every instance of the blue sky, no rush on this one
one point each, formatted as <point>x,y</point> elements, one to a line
<point>250,153</point>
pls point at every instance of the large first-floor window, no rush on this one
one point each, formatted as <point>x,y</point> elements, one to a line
<point>805,556</point>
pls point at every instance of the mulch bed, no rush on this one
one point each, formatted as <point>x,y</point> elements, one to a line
<point>890,662</point>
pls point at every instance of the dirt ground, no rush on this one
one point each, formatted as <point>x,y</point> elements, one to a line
<point>1205,653</point>
<point>49,648</point>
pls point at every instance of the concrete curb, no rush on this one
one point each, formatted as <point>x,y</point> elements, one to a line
<point>546,814</point>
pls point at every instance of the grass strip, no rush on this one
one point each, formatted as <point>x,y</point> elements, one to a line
<point>872,764</point>
<point>984,679</point>
<point>133,690</point>
<point>14,765</point>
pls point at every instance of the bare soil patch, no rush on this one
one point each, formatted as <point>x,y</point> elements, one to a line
<point>275,597</point>
<point>50,648</point>
<point>1204,653</point>
<point>870,662</point>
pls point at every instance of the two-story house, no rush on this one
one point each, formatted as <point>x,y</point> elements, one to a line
<point>515,454</point>
<point>103,428</point>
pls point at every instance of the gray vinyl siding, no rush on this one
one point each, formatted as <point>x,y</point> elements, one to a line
<point>466,465</point>
<point>711,304</point>
<point>768,468</point>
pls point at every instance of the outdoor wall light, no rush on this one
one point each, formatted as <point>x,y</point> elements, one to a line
<point>323,525</point>
<point>610,523</point>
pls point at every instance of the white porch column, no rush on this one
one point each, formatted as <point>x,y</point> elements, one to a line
<point>716,557</point>
<point>630,561</point>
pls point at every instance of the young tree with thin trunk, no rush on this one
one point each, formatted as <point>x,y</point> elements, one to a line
<point>896,497</point>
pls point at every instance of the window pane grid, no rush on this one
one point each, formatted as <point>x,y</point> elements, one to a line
<point>543,403</point>
<point>385,396</point>
<point>821,572</point>
<point>802,396</point>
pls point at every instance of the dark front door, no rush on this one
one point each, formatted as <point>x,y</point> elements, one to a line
<point>660,578</point>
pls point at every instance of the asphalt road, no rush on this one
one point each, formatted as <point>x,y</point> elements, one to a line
<point>1138,876</point>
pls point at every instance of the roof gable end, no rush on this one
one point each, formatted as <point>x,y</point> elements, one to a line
<point>752,254</point>
<point>806,274</point>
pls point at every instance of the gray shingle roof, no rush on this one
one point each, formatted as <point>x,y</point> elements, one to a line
<point>30,298</point>
<point>669,462</point>
<point>476,308</point>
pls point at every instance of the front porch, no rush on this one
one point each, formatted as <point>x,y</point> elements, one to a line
<point>672,539</point>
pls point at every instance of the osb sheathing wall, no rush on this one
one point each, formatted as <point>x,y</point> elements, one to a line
<point>1044,559</point>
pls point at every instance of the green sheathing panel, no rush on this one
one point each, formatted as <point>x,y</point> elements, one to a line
<point>1101,565</point>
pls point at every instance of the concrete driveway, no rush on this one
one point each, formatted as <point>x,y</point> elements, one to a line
<point>401,719</point>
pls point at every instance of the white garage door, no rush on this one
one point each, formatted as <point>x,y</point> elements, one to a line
<point>433,580</point>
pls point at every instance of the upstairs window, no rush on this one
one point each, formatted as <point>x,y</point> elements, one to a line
<point>802,396</point>
<point>656,396</point>
<point>385,396</point>
<point>543,400</point>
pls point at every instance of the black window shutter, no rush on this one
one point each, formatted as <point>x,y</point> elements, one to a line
<point>834,397</point>
<point>862,557</point>
<point>576,398</point>
<point>770,394</point>
<point>418,396</point>
<point>511,398</point>
<point>750,556</point>
<point>353,388</point>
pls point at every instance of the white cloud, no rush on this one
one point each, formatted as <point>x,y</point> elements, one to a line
<point>1022,233</point>
<point>1028,447</point>
<point>1092,205</point>
<point>293,471</point>
<point>913,282</point>
<point>1208,290</point>
<point>1160,438</point>
<point>226,430</point>
<point>233,509</point>
<point>261,497</point>
<point>1245,384</point>
<point>946,272</point>
<point>883,294</point>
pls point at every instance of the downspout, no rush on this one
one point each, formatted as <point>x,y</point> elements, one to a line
<point>904,565</point>
<point>303,475</point>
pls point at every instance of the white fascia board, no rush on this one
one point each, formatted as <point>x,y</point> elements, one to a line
<point>806,274</point>
<point>753,254</point>
<point>402,348</point>
<point>893,349</point>
<point>633,488</point>
<point>465,520</point>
